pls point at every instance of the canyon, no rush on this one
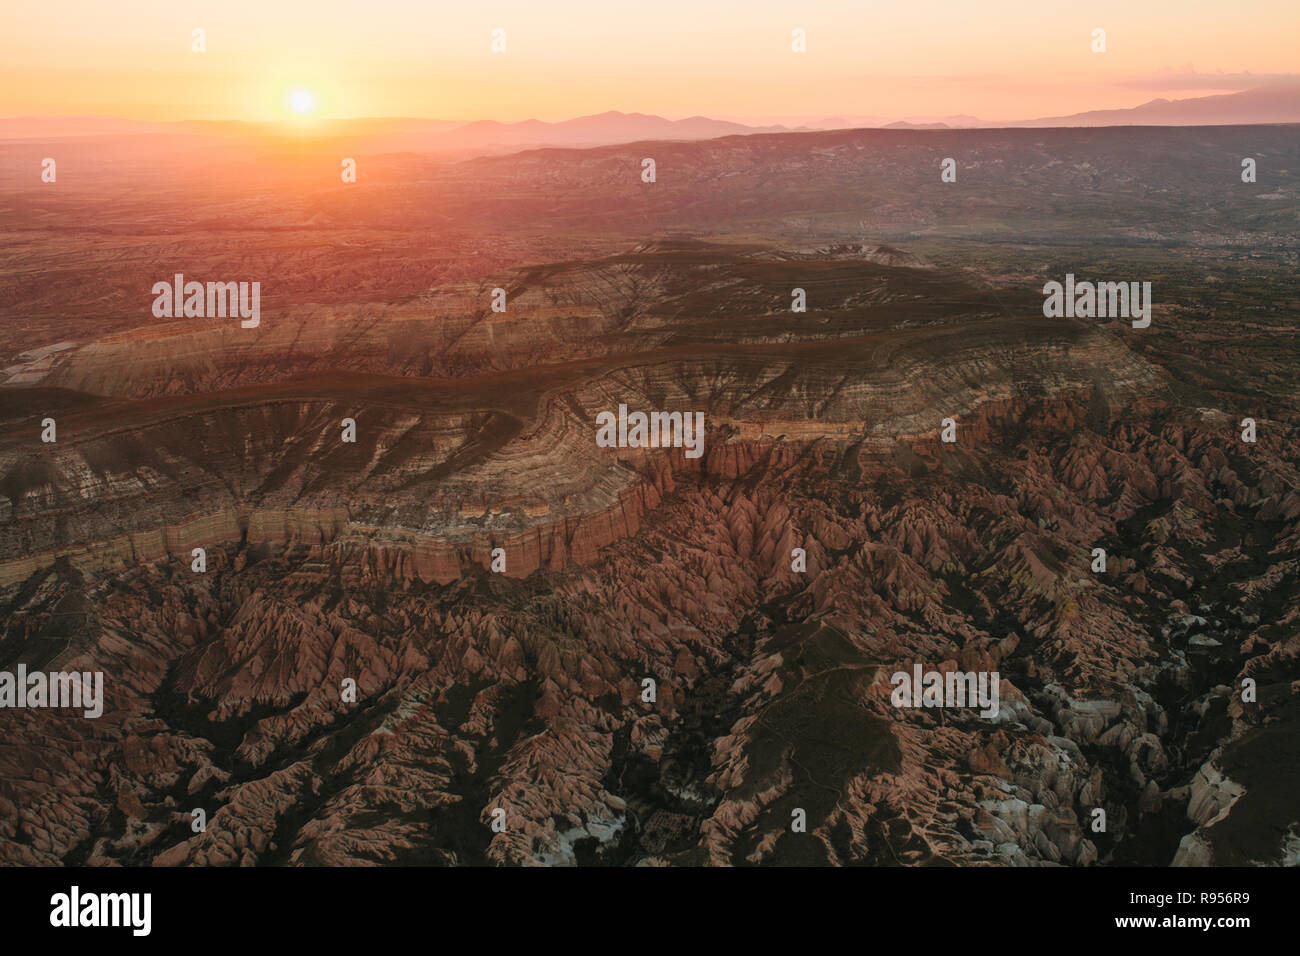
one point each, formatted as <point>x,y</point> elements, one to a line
<point>327,562</point>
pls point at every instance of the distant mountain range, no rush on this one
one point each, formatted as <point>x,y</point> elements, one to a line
<point>599,130</point>
<point>387,135</point>
<point>1270,104</point>
<point>1267,104</point>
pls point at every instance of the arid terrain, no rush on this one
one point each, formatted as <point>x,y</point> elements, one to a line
<point>522,689</point>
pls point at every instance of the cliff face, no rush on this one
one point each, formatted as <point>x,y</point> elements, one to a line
<point>225,689</point>
<point>350,682</point>
<point>456,484</point>
<point>503,454</point>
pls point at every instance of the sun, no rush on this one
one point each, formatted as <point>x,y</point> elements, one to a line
<point>302,101</point>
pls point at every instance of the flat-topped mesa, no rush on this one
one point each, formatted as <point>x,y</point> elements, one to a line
<point>436,470</point>
<point>675,298</point>
<point>502,449</point>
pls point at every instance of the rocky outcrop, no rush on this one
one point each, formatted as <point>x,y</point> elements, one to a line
<point>686,660</point>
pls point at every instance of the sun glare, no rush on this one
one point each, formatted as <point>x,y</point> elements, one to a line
<point>301,101</point>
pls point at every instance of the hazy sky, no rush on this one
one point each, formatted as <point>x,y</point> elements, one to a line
<point>994,59</point>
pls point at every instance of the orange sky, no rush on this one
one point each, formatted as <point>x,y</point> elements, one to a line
<point>563,58</point>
